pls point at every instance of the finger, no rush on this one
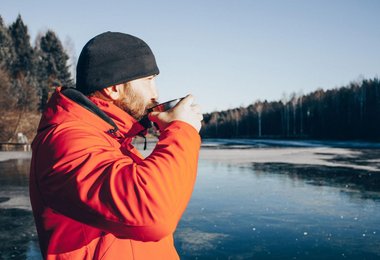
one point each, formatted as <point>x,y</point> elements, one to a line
<point>153,116</point>
<point>187,101</point>
<point>196,108</point>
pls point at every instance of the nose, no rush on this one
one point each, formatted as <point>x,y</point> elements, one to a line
<point>153,90</point>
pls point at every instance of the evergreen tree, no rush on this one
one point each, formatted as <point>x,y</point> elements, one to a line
<point>7,51</point>
<point>53,69</point>
<point>24,67</point>
<point>25,60</point>
<point>42,74</point>
<point>56,59</point>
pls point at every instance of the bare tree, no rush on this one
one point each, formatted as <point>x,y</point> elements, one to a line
<point>294,102</point>
<point>284,101</point>
<point>26,101</point>
<point>69,47</point>
<point>259,110</point>
<point>8,102</point>
<point>300,96</point>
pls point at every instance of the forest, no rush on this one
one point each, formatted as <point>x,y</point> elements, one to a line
<point>346,113</point>
<point>29,73</point>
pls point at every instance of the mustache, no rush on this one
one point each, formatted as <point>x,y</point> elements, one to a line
<point>153,102</point>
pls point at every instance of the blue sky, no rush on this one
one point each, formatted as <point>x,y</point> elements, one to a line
<point>227,53</point>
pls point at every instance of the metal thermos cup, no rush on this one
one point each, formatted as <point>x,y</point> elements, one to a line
<point>158,108</point>
<point>164,106</point>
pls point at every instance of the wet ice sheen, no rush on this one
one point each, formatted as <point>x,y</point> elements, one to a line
<point>266,215</point>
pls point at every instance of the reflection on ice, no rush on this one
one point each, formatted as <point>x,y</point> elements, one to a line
<point>194,242</point>
<point>283,211</point>
<point>355,183</point>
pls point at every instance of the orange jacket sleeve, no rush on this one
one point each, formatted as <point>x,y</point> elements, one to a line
<point>92,181</point>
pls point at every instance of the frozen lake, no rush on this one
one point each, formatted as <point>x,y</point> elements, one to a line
<point>275,211</point>
<point>247,208</point>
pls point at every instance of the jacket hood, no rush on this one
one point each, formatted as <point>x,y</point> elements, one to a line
<point>61,108</point>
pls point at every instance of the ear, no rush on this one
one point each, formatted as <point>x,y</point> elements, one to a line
<point>111,92</point>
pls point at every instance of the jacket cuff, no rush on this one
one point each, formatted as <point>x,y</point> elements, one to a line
<point>182,126</point>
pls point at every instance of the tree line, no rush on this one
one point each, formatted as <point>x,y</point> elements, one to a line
<point>346,113</point>
<point>28,73</point>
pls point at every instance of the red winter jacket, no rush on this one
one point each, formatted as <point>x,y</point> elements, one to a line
<point>95,197</point>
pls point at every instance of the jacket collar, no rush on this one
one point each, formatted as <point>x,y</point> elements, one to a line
<point>127,125</point>
<point>61,108</point>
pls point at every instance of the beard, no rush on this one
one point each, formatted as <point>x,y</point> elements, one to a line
<point>134,105</point>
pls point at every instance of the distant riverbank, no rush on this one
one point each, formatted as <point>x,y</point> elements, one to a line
<point>355,155</point>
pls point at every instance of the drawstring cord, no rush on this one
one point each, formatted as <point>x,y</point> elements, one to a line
<point>143,136</point>
<point>145,142</point>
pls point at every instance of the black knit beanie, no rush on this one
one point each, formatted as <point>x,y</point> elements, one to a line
<point>113,58</point>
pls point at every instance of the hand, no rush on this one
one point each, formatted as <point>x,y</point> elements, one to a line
<point>185,111</point>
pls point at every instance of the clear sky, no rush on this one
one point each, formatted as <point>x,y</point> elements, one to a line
<point>227,53</point>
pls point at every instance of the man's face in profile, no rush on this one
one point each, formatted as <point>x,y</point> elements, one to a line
<point>137,96</point>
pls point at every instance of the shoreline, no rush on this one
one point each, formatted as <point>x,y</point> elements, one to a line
<point>319,156</point>
<point>10,155</point>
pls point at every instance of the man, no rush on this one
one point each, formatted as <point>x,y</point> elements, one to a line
<point>93,195</point>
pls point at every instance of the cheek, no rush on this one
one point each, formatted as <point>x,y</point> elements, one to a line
<point>137,101</point>
<point>140,97</point>
<point>142,100</point>
<point>145,97</point>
